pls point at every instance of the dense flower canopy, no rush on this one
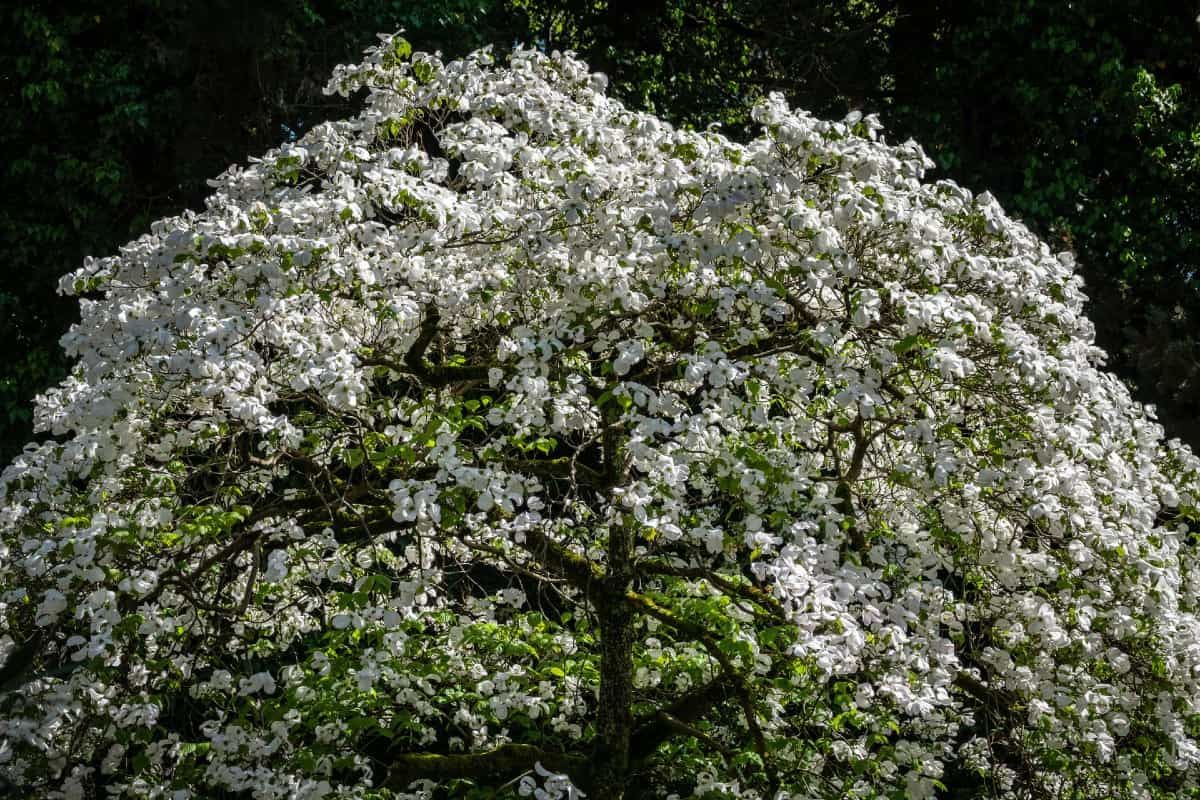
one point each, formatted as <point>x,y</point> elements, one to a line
<point>501,441</point>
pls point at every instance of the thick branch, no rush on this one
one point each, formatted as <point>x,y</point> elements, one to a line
<point>677,725</point>
<point>844,493</point>
<point>417,365</point>
<point>997,700</point>
<point>614,723</point>
<point>498,765</point>
<point>654,729</point>
<point>562,561</point>
<point>769,605</point>
<point>414,359</point>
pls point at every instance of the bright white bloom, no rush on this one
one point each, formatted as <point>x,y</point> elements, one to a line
<point>500,436</point>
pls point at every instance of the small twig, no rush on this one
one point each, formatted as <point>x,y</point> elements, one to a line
<point>250,580</point>
<point>690,730</point>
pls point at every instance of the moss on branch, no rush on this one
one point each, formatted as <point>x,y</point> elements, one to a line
<point>498,765</point>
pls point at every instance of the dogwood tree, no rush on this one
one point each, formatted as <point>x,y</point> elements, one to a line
<point>501,441</point>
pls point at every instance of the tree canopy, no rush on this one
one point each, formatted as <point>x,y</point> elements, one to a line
<point>118,113</point>
<point>1082,117</point>
<point>500,439</point>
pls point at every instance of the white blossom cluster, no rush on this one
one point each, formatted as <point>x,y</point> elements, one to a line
<point>324,507</point>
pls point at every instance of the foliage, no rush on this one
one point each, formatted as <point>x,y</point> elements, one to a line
<point>699,63</point>
<point>500,439</point>
<point>1082,117</point>
<point>117,113</point>
<point>1085,120</point>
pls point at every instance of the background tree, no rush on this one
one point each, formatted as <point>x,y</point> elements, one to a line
<point>499,438</point>
<point>1085,119</point>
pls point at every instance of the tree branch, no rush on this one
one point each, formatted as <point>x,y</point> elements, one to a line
<point>415,363</point>
<point>498,764</point>
<point>769,605</point>
<point>561,560</point>
<point>654,729</point>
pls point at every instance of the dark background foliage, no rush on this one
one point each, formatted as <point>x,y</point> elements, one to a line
<point>1083,117</point>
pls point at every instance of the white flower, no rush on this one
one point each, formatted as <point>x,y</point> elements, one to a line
<point>385,419</point>
<point>53,603</point>
<point>553,786</point>
<point>256,683</point>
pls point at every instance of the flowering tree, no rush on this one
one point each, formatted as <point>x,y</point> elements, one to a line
<point>501,441</point>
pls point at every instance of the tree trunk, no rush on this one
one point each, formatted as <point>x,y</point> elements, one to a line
<point>615,716</point>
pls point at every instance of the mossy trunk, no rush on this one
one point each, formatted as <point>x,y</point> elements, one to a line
<point>615,718</point>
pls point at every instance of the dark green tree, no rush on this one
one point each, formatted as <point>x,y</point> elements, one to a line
<point>1084,118</point>
<point>699,63</point>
